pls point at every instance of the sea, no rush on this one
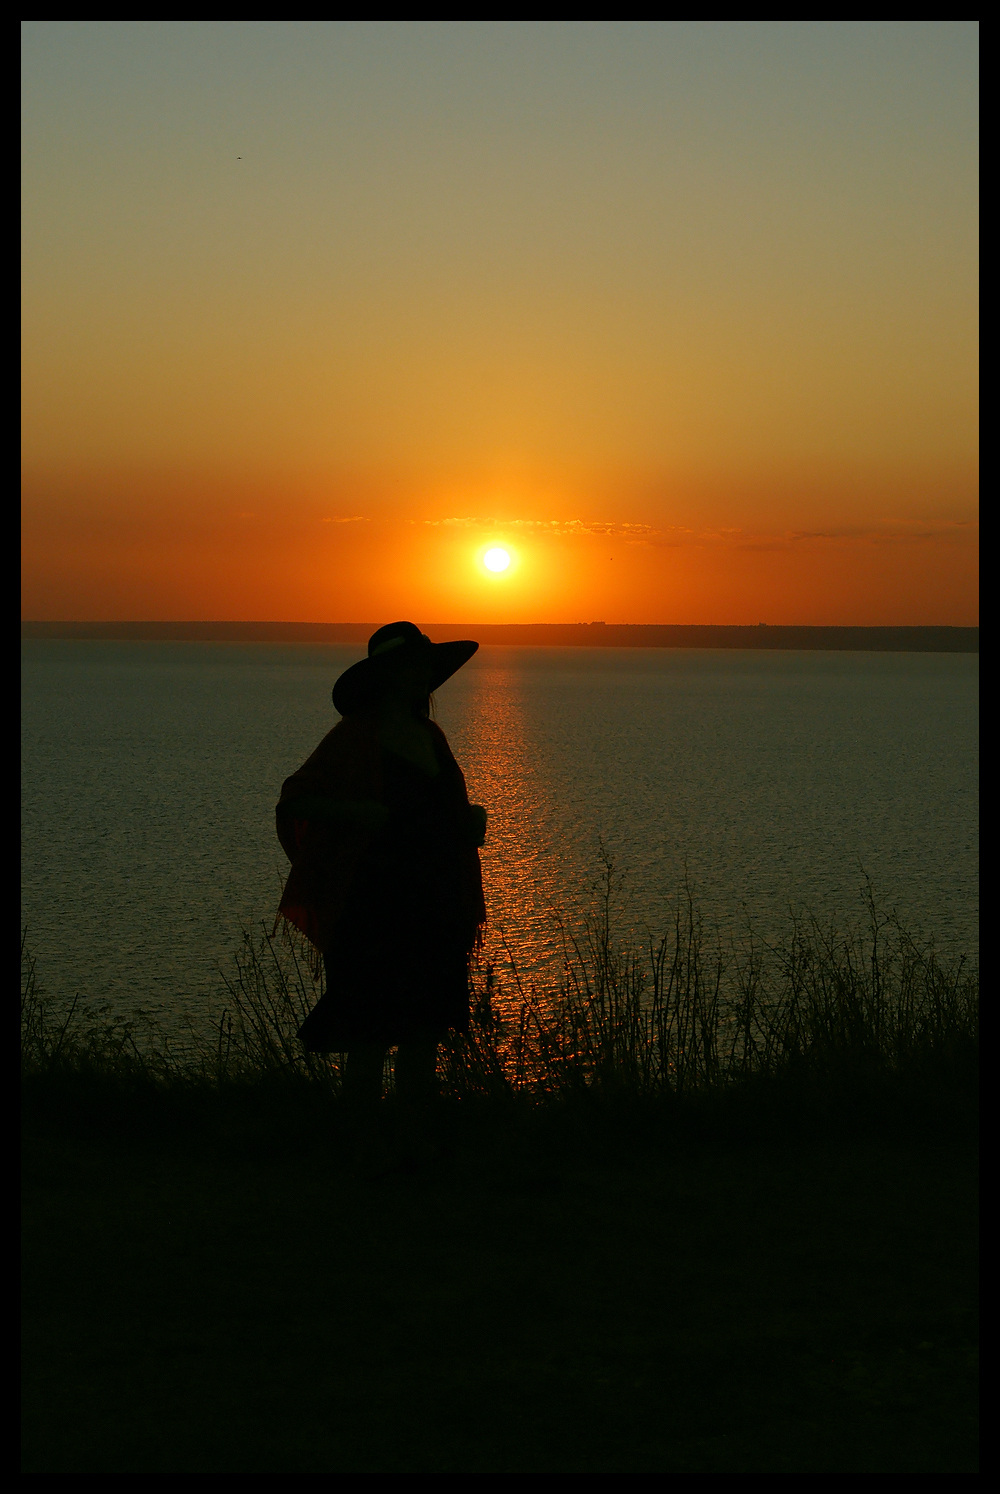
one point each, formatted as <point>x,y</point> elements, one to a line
<point>762,784</point>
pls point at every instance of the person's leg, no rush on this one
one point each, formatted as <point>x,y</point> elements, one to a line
<point>364,1122</point>
<point>416,1071</point>
<point>417,1095</point>
<point>363,1075</point>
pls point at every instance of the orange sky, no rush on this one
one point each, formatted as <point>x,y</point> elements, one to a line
<point>683,314</point>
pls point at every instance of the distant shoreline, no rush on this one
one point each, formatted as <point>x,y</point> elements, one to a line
<point>933,640</point>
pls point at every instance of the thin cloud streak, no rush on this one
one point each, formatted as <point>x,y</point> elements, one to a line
<point>892,531</point>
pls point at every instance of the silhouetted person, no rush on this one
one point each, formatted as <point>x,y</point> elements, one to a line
<point>385,876</point>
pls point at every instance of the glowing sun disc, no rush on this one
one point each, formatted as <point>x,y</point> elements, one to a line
<point>496,560</point>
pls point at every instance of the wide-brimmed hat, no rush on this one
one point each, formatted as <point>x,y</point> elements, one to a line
<point>388,647</point>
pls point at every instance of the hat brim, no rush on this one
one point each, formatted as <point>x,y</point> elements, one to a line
<point>353,690</point>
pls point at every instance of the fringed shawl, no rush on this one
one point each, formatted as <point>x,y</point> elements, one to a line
<point>326,854</point>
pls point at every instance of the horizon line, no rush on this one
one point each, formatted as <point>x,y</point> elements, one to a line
<point>268,622</point>
<point>876,637</point>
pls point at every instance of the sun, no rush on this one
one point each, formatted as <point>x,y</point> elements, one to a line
<point>496,559</point>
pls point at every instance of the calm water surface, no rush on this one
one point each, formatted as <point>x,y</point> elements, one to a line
<point>151,771</point>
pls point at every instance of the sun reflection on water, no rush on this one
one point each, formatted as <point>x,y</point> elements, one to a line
<point>518,875</point>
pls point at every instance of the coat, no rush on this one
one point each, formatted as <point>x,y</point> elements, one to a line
<point>327,856</point>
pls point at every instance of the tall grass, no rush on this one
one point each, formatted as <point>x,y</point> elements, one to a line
<point>680,1012</point>
<point>835,1015</point>
<point>826,1016</point>
<point>79,1036</point>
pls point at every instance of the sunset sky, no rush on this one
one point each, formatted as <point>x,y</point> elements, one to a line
<point>681,314</point>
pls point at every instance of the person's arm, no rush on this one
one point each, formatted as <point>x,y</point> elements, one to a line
<point>477,818</point>
<point>366,814</point>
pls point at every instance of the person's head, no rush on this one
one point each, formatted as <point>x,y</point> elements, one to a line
<point>406,682</point>
<point>403,666</point>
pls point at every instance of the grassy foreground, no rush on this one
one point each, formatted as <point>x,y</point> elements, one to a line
<point>650,1229</point>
